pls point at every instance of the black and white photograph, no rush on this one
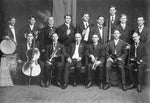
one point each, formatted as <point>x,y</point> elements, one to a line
<point>74,51</point>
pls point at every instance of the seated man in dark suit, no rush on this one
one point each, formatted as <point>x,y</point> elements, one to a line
<point>23,55</point>
<point>54,55</point>
<point>116,54</point>
<point>137,60</point>
<point>96,53</point>
<point>75,55</point>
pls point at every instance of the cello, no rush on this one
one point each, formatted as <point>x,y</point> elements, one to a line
<point>31,66</point>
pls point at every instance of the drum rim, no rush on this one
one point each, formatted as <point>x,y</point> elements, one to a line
<point>3,51</point>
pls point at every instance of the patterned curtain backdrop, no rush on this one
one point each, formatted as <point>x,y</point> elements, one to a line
<point>62,7</point>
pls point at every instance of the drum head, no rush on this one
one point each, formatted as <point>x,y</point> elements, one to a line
<point>8,46</point>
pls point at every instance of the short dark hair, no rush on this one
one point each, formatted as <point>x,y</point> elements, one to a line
<point>136,33</point>
<point>116,30</point>
<point>84,13</point>
<point>112,6</point>
<point>67,15</point>
<point>27,34</point>
<point>32,17</point>
<point>95,34</point>
<point>99,17</point>
<point>11,18</point>
<point>123,15</point>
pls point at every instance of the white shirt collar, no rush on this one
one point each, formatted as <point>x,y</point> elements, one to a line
<point>141,27</point>
<point>68,25</point>
<point>99,25</point>
<point>11,27</point>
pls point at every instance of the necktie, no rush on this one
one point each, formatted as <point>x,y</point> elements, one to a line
<point>30,45</point>
<point>101,32</point>
<point>140,29</point>
<point>136,45</point>
<point>54,46</point>
<point>112,19</point>
<point>86,25</point>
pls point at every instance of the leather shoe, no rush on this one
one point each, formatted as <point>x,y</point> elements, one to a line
<point>42,83</point>
<point>74,84</point>
<point>89,84</point>
<point>139,89</point>
<point>65,86</point>
<point>131,86</point>
<point>59,84</point>
<point>100,85</point>
<point>124,87</point>
<point>106,86</point>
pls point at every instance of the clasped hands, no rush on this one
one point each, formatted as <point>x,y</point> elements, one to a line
<point>111,60</point>
<point>93,59</point>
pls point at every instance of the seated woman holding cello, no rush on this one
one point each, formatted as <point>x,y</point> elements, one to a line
<point>54,59</point>
<point>29,55</point>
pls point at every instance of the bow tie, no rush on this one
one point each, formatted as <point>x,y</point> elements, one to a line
<point>100,27</point>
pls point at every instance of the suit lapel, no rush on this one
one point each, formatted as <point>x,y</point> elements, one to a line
<point>73,48</point>
<point>10,32</point>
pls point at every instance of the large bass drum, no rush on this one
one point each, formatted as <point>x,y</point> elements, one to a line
<point>8,46</point>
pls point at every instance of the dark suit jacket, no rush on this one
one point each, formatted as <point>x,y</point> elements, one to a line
<point>63,37</point>
<point>116,22</point>
<point>99,51</point>
<point>8,32</point>
<point>22,49</point>
<point>125,33</point>
<point>144,34</point>
<point>141,53</point>
<point>61,52</point>
<point>27,29</point>
<point>120,49</point>
<point>44,37</point>
<point>80,27</point>
<point>71,50</point>
<point>95,30</point>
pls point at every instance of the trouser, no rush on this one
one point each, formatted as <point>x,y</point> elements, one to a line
<point>100,68</point>
<point>140,72</point>
<point>49,68</point>
<point>68,66</point>
<point>109,68</point>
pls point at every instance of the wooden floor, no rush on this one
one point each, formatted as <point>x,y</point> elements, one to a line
<point>54,94</point>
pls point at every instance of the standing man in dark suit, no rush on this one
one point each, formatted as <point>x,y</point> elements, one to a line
<point>11,30</point>
<point>46,32</point>
<point>54,56</point>
<point>100,30</point>
<point>112,21</point>
<point>84,27</point>
<point>116,54</point>
<point>142,30</point>
<point>124,29</point>
<point>30,27</point>
<point>66,31</point>
<point>96,54</point>
<point>137,60</point>
<point>75,56</point>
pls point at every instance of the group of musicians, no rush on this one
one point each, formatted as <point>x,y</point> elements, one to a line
<point>95,48</point>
